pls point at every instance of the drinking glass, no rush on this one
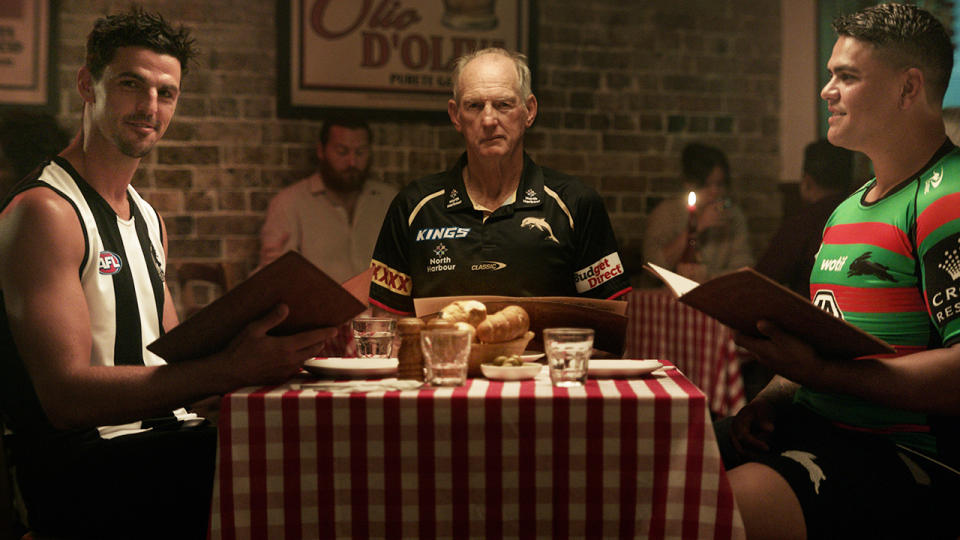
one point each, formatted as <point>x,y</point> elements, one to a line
<point>446,354</point>
<point>374,336</point>
<point>568,353</point>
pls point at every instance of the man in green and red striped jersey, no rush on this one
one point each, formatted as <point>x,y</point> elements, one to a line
<point>867,447</point>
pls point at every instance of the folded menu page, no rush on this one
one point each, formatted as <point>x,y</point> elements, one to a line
<point>741,298</point>
<point>314,298</point>
<point>606,317</point>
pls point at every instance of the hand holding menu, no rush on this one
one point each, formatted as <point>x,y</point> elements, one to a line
<point>740,298</point>
<point>314,298</point>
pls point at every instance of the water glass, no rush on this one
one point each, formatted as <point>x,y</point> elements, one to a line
<point>374,336</point>
<point>446,354</point>
<point>568,354</point>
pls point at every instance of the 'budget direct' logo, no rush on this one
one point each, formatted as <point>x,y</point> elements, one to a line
<point>390,279</point>
<point>598,273</point>
<point>110,263</point>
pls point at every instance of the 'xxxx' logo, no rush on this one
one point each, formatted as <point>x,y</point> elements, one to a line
<point>390,279</point>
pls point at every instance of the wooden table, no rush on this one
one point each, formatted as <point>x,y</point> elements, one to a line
<point>661,327</point>
<point>617,458</point>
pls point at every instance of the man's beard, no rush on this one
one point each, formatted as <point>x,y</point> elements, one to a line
<point>349,180</point>
<point>133,147</point>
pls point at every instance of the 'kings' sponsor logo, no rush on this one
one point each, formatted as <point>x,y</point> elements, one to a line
<point>109,264</point>
<point>598,273</point>
<point>390,279</point>
<point>442,233</point>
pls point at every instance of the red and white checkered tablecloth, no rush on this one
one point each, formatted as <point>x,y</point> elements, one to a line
<point>661,327</point>
<point>616,458</point>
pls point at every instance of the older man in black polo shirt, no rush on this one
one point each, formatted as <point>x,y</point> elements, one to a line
<point>496,223</point>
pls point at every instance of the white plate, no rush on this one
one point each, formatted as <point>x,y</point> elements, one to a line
<point>351,367</point>
<point>510,373</point>
<point>531,357</point>
<point>621,368</point>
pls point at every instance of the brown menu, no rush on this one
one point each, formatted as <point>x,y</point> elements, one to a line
<point>740,298</point>
<point>314,298</point>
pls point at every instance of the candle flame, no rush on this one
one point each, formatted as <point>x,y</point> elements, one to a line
<point>692,200</point>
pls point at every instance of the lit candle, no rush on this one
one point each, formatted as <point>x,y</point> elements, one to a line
<point>692,211</point>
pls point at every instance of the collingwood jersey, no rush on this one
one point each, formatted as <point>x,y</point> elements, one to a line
<point>122,280</point>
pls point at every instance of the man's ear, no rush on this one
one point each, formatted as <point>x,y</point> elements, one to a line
<point>85,85</point>
<point>531,110</point>
<point>912,87</point>
<point>452,109</point>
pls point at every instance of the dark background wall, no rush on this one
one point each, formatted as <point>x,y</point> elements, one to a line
<point>623,86</point>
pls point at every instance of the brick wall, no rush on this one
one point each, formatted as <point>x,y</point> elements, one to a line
<point>623,86</point>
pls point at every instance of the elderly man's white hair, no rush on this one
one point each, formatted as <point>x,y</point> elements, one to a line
<point>524,78</point>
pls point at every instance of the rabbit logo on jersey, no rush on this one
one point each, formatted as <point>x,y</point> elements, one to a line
<point>109,263</point>
<point>598,273</point>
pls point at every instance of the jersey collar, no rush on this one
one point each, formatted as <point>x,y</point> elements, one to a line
<point>530,192</point>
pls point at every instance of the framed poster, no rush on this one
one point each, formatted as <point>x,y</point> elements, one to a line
<point>26,54</point>
<point>386,56</point>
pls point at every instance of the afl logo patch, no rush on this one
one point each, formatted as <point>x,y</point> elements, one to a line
<point>110,263</point>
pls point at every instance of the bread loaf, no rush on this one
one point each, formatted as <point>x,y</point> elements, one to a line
<point>509,323</point>
<point>468,311</point>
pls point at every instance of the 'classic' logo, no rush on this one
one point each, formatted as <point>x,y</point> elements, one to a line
<point>488,265</point>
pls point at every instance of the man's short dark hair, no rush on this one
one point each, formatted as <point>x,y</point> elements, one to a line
<point>137,28</point>
<point>343,121</point>
<point>699,160</point>
<point>908,37</point>
<point>831,167</point>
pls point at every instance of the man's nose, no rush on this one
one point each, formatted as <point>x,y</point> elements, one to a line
<point>489,114</point>
<point>828,91</point>
<point>147,104</point>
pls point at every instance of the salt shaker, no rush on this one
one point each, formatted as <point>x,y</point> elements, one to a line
<point>409,357</point>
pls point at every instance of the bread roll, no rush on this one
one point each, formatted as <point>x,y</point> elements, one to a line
<point>509,323</point>
<point>468,327</point>
<point>468,311</point>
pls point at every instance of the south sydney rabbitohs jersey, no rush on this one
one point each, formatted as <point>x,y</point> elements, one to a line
<point>555,239</point>
<point>892,268</point>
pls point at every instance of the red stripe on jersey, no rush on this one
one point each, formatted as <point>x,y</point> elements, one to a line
<point>875,300</point>
<point>943,210</point>
<point>882,235</point>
